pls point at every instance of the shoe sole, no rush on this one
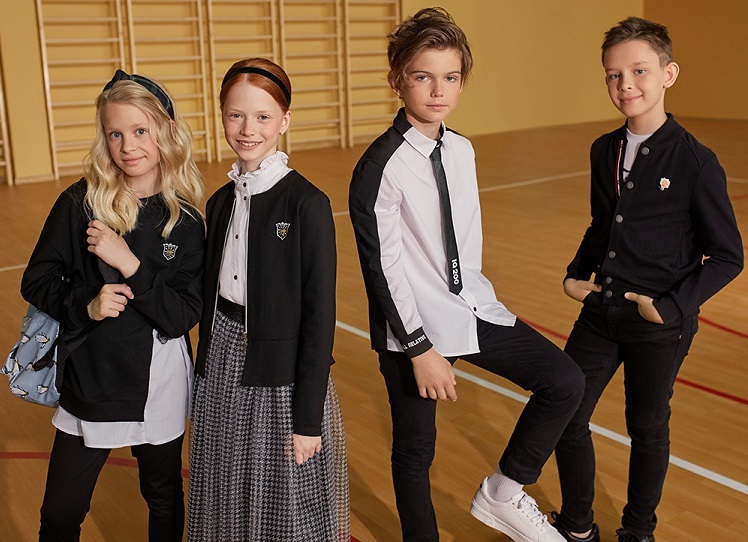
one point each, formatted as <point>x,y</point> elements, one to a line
<point>490,520</point>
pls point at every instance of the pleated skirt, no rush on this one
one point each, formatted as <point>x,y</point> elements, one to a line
<point>244,484</point>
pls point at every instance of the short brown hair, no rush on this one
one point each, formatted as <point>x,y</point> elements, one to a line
<point>636,28</point>
<point>258,80</point>
<point>430,28</point>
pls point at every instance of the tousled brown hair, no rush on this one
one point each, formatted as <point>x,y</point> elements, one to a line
<point>430,28</point>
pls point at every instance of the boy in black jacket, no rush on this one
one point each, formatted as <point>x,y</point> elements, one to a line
<point>663,240</point>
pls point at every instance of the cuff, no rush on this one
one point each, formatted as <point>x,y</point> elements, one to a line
<point>416,343</point>
<point>141,281</point>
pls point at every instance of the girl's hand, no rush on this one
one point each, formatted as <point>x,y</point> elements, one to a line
<point>646,307</point>
<point>110,302</point>
<point>579,289</point>
<point>111,248</point>
<point>305,447</point>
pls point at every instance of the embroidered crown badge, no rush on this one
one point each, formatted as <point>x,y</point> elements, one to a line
<point>664,183</point>
<point>170,250</point>
<point>281,229</point>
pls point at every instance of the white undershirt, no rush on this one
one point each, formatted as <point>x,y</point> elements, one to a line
<point>166,408</point>
<point>632,148</point>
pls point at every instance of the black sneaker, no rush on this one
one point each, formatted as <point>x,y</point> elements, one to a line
<point>594,535</point>
<point>624,535</point>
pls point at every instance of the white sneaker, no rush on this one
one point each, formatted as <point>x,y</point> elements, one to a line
<point>519,517</point>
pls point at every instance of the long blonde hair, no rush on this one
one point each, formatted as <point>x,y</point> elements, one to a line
<point>108,195</point>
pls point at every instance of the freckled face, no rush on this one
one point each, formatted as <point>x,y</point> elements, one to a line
<point>252,124</point>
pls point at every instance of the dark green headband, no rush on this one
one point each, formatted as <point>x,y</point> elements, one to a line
<point>149,85</point>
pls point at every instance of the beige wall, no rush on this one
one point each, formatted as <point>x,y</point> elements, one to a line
<point>710,43</point>
<point>24,90</point>
<point>536,63</point>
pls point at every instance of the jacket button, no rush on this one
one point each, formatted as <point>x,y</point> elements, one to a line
<point>612,254</point>
<point>619,218</point>
<point>629,185</point>
<point>608,293</point>
<point>608,280</point>
<point>645,151</point>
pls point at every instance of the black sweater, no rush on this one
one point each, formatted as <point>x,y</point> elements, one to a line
<point>671,234</point>
<point>291,291</point>
<point>106,377</point>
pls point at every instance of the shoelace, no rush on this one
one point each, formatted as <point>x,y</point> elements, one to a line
<point>626,536</point>
<point>529,508</point>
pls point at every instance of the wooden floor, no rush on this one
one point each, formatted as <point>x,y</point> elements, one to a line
<point>535,207</point>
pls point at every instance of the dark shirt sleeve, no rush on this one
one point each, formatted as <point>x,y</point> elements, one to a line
<point>173,306</point>
<point>318,268</point>
<point>716,236</point>
<point>375,214</point>
<point>54,278</point>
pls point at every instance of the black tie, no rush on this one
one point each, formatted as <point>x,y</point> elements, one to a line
<point>454,276</point>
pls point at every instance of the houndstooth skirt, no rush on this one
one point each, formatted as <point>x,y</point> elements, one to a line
<point>244,484</point>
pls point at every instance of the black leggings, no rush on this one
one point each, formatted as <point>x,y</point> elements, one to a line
<point>72,474</point>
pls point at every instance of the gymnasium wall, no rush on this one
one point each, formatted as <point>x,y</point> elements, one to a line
<point>536,64</point>
<point>710,44</point>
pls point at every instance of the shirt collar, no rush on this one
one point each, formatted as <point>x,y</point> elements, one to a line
<point>420,142</point>
<point>253,182</point>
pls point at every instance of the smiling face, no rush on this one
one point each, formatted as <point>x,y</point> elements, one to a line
<point>636,83</point>
<point>252,123</point>
<point>432,88</point>
<point>132,143</point>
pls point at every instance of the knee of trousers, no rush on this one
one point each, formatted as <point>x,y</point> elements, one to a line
<point>656,434</point>
<point>165,497</point>
<point>60,520</point>
<point>416,456</point>
<point>574,432</point>
<point>565,387</point>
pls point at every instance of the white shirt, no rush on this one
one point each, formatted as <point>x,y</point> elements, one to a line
<point>395,180</point>
<point>233,275</point>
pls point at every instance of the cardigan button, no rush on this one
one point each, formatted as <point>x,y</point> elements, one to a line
<point>608,293</point>
<point>645,151</point>
<point>629,185</point>
<point>612,254</point>
<point>608,280</point>
<point>619,218</point>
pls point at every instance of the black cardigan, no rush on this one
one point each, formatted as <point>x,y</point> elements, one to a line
<point>671,234</point>
<point>291,291</point>
<point>106,377</point>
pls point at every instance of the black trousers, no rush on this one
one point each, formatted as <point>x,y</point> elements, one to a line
<point>74,469</point>
<point>603,338</point>
<point>520,354</point>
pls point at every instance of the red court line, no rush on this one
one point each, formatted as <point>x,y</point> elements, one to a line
<point>695,385</point>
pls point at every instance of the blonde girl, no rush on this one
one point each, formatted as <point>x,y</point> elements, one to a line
<point>118,264</point>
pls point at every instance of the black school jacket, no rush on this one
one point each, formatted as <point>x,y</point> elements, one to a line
<point>671,234</point>
<point>291,291</point>
<point>106,377</point>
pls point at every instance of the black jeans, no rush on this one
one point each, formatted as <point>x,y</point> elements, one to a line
<point>72,474</point>
<point>520,354</point>
<point>604,337</point>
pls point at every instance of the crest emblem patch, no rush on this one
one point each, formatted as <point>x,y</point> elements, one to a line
<point>281,229</point>
<point>170,250</point>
